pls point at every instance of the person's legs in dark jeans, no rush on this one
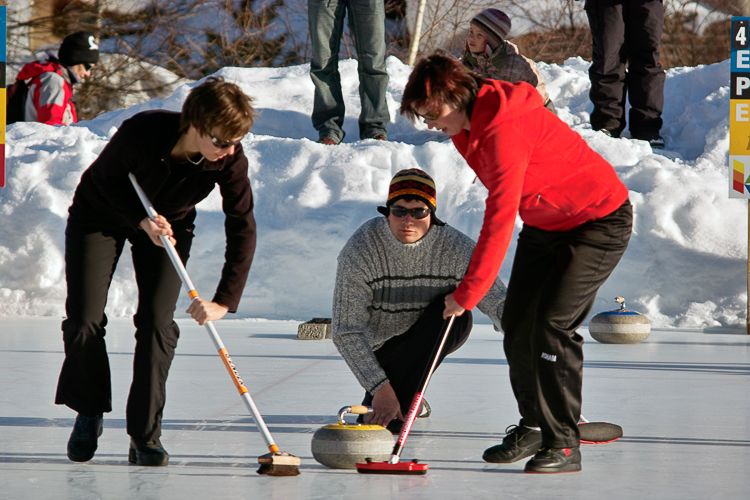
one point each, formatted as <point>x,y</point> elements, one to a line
<point>367,24</point>
<point>326,24</point>
<point>406,357</point>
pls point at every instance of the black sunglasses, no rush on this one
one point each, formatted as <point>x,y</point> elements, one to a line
<point>223,145</point>
<point>87,66</point>
<point>417,213</point>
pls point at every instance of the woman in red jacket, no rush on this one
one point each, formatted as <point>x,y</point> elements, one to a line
<point>577,223</point>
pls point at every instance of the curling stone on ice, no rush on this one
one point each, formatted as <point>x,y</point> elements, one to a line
<point>619,326</point>
<point>342,445</point>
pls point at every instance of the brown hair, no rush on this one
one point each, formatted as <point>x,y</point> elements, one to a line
<point>216,104</point>
<point>440,79</point>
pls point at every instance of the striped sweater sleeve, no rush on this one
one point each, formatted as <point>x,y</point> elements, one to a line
<point>351,299</point>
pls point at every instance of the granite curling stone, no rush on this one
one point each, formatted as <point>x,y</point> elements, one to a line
<point>619,326</point>
<point>342,445</point>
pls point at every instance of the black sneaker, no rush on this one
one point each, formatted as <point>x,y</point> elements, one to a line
<point>147,453</point>
<point>83,440</point>
<point>520,442</point>
<point>554,460</point>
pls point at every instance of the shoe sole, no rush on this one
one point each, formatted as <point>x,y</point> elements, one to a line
<point>79,458</point>
<point>526,454</point>
<point>155,461</point>
<point>561,470</point>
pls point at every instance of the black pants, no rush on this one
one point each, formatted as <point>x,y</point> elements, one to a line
<point>91,255</point>
<point>406,357</point>
<point>552,288</point>
<point>626,33</point>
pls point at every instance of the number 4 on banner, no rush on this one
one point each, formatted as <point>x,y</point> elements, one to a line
<point>740,34</point>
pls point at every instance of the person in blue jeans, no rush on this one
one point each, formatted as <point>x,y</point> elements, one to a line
<point>367,25</point>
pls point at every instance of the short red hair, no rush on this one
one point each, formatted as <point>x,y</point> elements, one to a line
<point>440,79</point>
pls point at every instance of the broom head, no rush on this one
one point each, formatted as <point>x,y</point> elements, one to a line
<point>599,432</point>
<point>278,463</point>
<point>370,467</point>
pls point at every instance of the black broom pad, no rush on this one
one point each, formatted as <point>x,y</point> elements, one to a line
<point>599,432</point>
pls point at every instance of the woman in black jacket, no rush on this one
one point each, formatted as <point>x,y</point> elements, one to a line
<point>177,159</point>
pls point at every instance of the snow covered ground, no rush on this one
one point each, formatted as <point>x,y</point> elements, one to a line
<point>685,267</point>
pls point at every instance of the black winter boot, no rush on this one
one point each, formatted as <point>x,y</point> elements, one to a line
<point>147,453</point>
<point>83,440</point>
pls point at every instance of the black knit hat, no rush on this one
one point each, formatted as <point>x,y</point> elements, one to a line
<point>78,48</point>
<point>412,183</point>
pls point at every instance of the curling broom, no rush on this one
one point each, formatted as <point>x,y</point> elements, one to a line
<point>393,465</point>
<point>275,463</point>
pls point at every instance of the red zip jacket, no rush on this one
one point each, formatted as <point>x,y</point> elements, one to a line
<point>532,163</point>
<point>50,93</point>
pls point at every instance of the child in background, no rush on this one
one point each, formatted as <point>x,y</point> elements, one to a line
<point>490,55</point>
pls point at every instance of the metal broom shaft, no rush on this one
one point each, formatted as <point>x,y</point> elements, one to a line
<point>419,396</point>
<point>193,294</point>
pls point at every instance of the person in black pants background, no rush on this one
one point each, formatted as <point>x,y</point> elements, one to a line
<point>625,64</point>
<point>177,159</point>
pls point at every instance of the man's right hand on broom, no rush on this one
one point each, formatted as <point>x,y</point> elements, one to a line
<point>160,226</point>
<point>385,407</point>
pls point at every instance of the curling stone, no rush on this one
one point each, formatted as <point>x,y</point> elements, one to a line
<point>342,445</point>
<point>620,326</point>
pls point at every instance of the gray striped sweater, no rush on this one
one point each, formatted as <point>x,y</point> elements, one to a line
<point>383,286</point>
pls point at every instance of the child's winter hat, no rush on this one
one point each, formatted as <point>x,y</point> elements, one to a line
<point>412,182</point>
<point>495,24</point>
<point>78,48</point>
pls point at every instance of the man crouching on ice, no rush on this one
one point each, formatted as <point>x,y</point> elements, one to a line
<point>392,278</point>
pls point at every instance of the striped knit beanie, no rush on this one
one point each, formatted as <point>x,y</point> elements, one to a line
<point>412,183</point>
<point>495,24</point>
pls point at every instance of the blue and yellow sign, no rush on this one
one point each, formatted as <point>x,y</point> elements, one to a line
<point>3,42</point>
<point>739,112</point>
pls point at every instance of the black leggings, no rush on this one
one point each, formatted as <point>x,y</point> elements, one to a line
<point>406,357</point>
<point>91,255</point>
<point>552,288</point>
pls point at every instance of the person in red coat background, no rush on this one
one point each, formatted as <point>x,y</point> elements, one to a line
<point>50,82</point>
<point>577,224</point>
